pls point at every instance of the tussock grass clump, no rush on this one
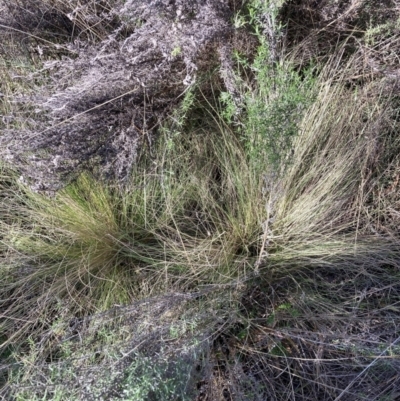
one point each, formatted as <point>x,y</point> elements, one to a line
<point>201,218</point>
<point>189,218</point>
<point>311,326</point>
<point>192,217</point>
<point>255,248</point>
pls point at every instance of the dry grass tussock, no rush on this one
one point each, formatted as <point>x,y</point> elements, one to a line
<point>188,220</point>
<point>213,274</point>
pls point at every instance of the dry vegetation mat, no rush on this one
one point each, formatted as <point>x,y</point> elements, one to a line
<point>199,200</point>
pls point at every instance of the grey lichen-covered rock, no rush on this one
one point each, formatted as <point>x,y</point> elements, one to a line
<point>112,87</point>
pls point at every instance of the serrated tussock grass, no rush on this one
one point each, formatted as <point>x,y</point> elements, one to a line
<point>291,273</point>
<point>332,262</point>
<point>190,217</point>
<point>203,213</point>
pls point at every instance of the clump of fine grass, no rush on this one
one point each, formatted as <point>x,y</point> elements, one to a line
<point>334,156</point>
<point>320,318</point>
<point>189,218</point>
<point>318,322</point>
<point>192,217</point>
